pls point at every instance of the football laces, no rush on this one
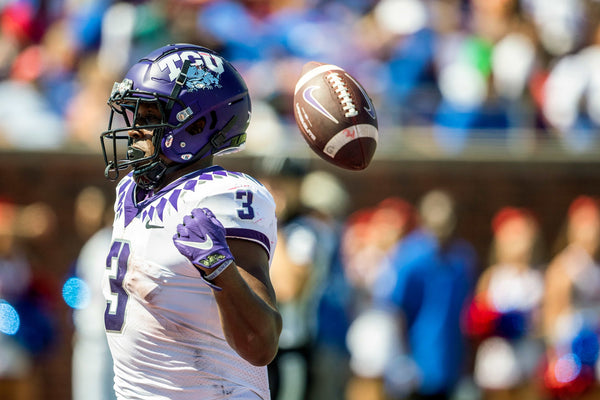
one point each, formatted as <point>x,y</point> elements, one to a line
<point>338,84</point>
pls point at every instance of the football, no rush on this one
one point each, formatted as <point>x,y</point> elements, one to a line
<point>335,116</point>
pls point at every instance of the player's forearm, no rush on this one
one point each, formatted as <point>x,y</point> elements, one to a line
<point>250,320</point>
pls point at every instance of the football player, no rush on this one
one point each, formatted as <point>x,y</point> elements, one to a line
<point>191,312</point>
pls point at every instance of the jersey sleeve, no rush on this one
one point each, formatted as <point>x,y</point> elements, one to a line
<point>246,209</point>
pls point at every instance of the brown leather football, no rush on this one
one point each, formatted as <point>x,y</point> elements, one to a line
<point>335,116</point>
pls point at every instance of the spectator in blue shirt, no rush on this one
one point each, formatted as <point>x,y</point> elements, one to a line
<point>426,287</point>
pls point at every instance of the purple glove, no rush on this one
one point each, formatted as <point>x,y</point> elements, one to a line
<point>201,238</point>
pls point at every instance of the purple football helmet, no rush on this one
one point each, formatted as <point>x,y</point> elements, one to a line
<point>204,109</point>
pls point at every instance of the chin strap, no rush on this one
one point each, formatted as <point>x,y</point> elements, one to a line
<point>150,176</point>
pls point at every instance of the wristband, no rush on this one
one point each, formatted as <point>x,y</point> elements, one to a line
<point>208,278</point>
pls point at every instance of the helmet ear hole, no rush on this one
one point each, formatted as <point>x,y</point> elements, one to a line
<point>196,127</point>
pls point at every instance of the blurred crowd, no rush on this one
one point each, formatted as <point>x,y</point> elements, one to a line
<point>510,70</point>
<point>382,302</point>
<point>387,302</point>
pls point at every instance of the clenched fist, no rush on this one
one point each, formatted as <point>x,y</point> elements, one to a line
<point>201,238</point>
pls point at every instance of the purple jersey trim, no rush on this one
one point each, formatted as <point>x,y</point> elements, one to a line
<point>126,193</point>
<point>249,234</point>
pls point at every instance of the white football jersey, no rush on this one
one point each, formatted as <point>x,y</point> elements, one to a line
<point>161,318</point>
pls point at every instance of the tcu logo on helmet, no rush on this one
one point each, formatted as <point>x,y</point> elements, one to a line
<point>212,62</point>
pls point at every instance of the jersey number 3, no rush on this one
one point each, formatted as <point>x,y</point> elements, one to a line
<point>116,263</point>
<point>246,211</point>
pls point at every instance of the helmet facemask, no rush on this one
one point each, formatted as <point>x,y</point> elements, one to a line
<point>117,144</point>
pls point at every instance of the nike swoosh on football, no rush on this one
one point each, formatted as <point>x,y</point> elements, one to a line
<point>206,245</point>
<point>310,99</point>
<point>150,226</point>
